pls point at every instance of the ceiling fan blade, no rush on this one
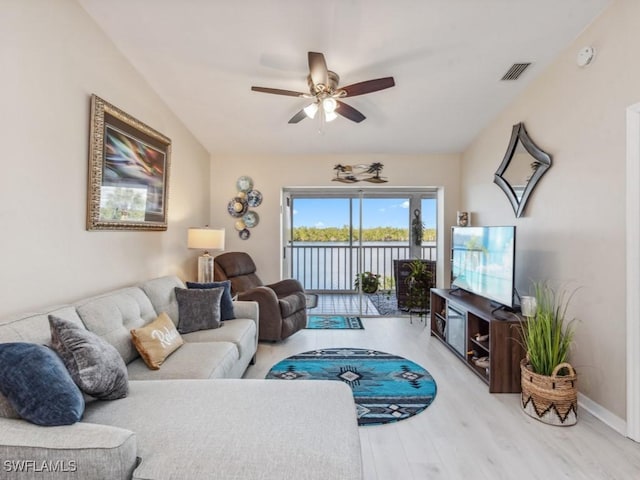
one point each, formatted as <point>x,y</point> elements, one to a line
<point>278,91</point>
<point>318,69</point>
<point>298,117</point>
<point>349,112</point>
<point>368,86</point>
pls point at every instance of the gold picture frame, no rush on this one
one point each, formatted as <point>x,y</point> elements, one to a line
<point>128,179</point>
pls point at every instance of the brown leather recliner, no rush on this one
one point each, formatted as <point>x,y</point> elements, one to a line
<point>282,305</point>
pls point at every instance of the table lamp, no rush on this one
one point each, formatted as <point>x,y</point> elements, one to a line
<point>204,238</point>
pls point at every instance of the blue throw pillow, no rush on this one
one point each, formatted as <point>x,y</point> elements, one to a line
<point>226,302</point>
<point>38,386</point>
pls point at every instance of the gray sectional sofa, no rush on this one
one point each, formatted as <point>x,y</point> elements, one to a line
<point>194,418</point>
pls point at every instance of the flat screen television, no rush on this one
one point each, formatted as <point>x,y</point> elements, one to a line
<point>483,262</point>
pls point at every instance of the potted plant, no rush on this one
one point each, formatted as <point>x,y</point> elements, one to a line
<point>369,281</point>
<point>549,382</point>
<point>419,281</point>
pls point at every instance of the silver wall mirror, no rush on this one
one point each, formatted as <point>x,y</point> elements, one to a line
<point>521,169</point>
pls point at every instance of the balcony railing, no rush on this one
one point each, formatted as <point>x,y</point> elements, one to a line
<point>332,267</point>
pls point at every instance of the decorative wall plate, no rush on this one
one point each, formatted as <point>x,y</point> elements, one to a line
<point>239,225</point>
<point>254,198</point>
<point>244,183</point>
<point>251,219</point>
<point>237,207</point>
<point>244,234</point>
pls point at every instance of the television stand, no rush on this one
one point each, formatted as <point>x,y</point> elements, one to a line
<point>498,307</point>
<point>485,339</point>
<point>457,291</point>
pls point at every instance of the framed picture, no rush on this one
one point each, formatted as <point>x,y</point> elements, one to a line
<point>128,172</point>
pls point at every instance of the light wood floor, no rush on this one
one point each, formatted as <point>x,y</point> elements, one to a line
<point>466,433</point>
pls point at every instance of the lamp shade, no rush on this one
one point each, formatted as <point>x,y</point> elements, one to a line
<point>311,109</point>
<point>205,238</point>
<point>329,104</point>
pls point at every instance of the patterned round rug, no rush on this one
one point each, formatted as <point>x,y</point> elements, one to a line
<point>386,388</point>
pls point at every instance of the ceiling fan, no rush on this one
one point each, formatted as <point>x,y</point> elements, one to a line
<point>325,94</point>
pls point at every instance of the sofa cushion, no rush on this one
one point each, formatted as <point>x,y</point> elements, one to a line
<point>239,429</point>
<point>162,295</point>
<point>192,360</point>
<point>241,332</point>
<point>156,341</point>
<point>95,365</point>
<point>199,309</point>
<point>34,327</point>
<point>38,385</point>
<point>80,451</point>
<point>113,315</point>
<point>226,301</point>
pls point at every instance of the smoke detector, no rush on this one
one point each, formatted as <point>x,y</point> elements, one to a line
<point>585,56</point>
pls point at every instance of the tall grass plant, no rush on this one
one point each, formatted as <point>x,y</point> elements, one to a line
<point>547,337</point>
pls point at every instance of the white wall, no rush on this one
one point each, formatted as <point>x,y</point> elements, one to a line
<point>271,173</point>
<point>574,225</point>
<point>53,58</point>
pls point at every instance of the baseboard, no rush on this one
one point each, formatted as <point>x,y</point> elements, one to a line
<point>602,414</point>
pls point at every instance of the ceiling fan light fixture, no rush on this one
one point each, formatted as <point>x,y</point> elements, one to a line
<point>326,96</point>
<point>311,110</point>
<point>329,104</point>
<point>330,116</point>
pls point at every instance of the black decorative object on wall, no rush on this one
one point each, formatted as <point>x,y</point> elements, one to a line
<point>521,169</point>
<point>417,227</point>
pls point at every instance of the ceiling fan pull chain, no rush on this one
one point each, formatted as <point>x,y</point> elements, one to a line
<point>321,121</point>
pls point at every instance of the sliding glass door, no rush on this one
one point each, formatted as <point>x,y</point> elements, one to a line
<point>320,251</point>
<point>342,243</point>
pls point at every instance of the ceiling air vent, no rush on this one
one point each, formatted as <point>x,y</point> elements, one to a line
<point>515,71</point>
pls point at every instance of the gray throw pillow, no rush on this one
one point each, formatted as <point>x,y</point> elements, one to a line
<point>95,365</point>
<point>198,309</point>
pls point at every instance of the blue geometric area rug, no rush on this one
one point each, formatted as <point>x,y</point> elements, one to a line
<point>386,388</point>
<point>323,322</point>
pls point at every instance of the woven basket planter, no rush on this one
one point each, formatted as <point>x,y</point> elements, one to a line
<point>550,399</point>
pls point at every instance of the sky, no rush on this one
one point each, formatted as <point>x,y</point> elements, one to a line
<point>377,212</point>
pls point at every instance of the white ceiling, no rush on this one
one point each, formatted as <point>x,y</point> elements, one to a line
<point>447,58</point>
